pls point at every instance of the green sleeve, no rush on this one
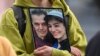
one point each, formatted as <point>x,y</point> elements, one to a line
<point>57,52</point>
<point>76,35</point>
<point>9,29</point>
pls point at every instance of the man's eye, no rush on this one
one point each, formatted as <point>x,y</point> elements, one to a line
<point>36,24</point>
<point>44,24</point>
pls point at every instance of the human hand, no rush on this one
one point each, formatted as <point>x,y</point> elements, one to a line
<point>43,51</point>
<point>75,51</point>
<point>45,3</point>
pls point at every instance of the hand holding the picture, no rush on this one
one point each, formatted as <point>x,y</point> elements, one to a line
<point>75,51</point>
<point>43,51</point>
<point>45,3</point>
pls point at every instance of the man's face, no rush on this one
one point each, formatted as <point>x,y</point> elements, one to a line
<point>40,25</point>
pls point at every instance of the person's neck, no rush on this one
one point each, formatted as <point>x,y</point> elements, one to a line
<point>62,38</point>
<point>42,3</point>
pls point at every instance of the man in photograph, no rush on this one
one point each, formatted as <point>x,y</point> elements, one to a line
<point>39,27</point>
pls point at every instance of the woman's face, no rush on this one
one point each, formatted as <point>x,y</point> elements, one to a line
<point>57,29</point>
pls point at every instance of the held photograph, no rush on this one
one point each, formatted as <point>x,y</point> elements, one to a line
<point>49,27</point>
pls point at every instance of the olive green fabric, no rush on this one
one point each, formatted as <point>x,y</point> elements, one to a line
<point>25,46</point>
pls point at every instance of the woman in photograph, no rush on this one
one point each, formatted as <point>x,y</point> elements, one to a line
<point>56,26</point>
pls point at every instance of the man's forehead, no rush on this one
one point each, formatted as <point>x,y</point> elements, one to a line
<point>36,17</point>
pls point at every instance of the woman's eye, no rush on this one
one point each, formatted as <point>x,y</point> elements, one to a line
<point>56,25</point>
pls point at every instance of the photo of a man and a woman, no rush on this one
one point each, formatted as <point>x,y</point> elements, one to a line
<point>49,28</point>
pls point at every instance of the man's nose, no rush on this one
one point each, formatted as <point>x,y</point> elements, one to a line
<point>40,27</point>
